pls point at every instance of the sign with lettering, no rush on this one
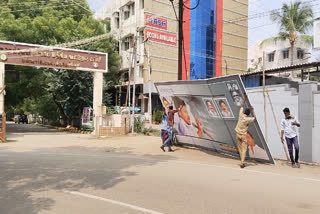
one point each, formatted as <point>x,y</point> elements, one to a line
<point>156,22</point>
<point>161,37</point>
<point>49,57</point>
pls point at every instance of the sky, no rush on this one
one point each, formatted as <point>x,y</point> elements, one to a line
<point>96,4</point>
<point>269,29</point>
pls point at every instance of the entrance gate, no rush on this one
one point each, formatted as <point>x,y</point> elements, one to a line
<point>14,53</point>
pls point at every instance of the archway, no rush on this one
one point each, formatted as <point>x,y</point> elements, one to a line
<point>14,53</point>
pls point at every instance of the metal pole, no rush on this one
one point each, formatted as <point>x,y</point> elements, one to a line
<point>180,46</point>
<point>264,98</point>
<point>150,95</point>
<point>129,89</point>
<point>134,83</point>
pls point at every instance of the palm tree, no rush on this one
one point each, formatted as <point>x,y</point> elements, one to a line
<point>294,20</point>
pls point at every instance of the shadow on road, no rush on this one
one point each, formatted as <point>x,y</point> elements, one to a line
<point>24,175</point>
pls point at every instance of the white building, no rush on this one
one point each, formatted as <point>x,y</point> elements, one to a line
<point>153,24</point>
<point>277,54</point>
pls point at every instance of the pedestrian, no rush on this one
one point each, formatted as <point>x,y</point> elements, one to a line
<point>170,123</point>
<point>242,130</point>
<point>164,132</point>
<point>288,129</point>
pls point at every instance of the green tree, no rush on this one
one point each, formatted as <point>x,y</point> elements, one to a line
<point>50,22</point>
<point>294,20</point>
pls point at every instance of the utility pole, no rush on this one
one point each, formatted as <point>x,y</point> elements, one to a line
<point>264,97</point>
<point>134,83</point>
<point>147,53</point>
<point>129,88</point>
<point>180,21</point>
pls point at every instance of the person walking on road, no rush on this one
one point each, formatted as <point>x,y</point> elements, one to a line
<point>170,123</point>
<point>288,129</point>
<point>242,130</point>
<point>164,132</point>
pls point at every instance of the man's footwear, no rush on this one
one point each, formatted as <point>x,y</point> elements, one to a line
<point>162,148</point>
<point>294,166</point>
<point>242,165</point>
<point>298,165</point>
<point>171,150</point>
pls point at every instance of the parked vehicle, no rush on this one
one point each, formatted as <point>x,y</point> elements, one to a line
<point>23,119</point>
<point>16,118</point>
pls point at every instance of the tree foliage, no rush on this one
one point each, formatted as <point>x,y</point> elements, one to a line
<point>294,20</point>
<point>50,22</point>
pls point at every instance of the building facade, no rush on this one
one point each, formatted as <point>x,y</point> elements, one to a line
<point>149,28</point>
<point>215,34</point>
<point>276,54</point>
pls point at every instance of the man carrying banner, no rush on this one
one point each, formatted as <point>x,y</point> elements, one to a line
<point>170,123</point>
<point>242,130</point>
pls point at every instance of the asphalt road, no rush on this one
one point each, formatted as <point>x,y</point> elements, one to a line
<point>81,180</point>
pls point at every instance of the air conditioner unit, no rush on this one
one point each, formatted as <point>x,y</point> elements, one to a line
<point>116,14</point>
<point>126,8</point>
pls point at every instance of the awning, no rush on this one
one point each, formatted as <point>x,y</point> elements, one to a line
<point>146,88</point>
<point>270,52</point>
<point>284,49</point>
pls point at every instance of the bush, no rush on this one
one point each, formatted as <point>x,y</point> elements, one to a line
<point>157,116</point>
<point>138,125</point>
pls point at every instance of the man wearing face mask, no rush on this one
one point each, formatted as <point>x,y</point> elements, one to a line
<point>288,129</point>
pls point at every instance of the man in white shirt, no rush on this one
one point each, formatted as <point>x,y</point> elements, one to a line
<point>288,129</point>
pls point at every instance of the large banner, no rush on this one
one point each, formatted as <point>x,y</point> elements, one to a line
<point>214,105</point>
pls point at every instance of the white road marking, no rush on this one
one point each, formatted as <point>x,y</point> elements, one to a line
<point>112,202</point>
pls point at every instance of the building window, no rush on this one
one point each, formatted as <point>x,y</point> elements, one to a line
<point>141,37</point>
<point>140,71</point>
<point>300,54</point>
<point>271,57</point>
<point>126,43</point>
<point>126,14</point>
<point>285,54</point>
<point>132,8</point>
<point>117,22</point>
<point>141,4</point>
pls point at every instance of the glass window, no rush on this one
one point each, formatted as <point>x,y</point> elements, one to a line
<point>141,4</point>
<point>132,7</point>
<point>300,54</point>
<point>285,54</point>
<point>271,57</point>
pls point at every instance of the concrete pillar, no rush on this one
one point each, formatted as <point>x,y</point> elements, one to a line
<point>306,117</point>
<point>97,99</point>
<point>2,80</point>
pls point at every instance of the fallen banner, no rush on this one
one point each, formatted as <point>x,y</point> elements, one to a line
<point>209,111</point>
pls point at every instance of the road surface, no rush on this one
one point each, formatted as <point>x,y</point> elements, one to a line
<point>43,171</point>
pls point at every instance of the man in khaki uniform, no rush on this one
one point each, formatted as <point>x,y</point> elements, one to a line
<point>242,130</point>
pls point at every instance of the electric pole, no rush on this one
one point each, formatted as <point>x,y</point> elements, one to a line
<point>134,83</point>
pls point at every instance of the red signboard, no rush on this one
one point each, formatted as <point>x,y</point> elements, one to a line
<point>49,57</point>
<point>161,37</point>
<point>156,22</point>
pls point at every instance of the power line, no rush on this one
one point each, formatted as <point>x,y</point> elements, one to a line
<point>267,13</point>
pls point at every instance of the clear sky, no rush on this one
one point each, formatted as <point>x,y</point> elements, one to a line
<point>269,29</point>
<point>96,4</point>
